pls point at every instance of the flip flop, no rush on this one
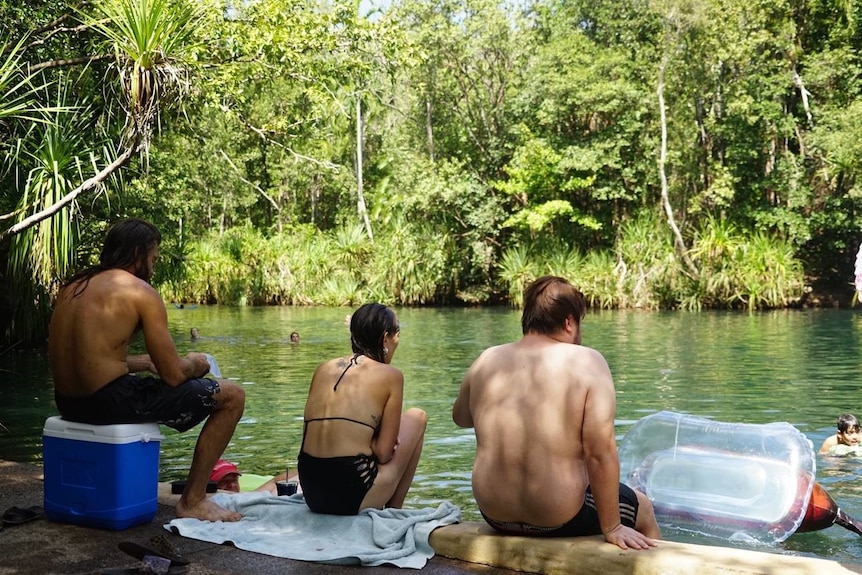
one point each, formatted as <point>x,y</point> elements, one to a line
<point>168,549</point>
<point>21,515</point>
<point>161,549</point>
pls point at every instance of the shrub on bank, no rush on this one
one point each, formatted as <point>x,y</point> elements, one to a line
<point>404,266</point>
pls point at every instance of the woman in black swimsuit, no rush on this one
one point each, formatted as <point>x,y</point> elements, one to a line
<point>358,449</point>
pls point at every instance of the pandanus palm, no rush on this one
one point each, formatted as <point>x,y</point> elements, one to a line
<point>152,40</point>
<point>20,115</point>
<point>16,91</point>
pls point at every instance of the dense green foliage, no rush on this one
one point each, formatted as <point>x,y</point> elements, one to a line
<point>668,154</point>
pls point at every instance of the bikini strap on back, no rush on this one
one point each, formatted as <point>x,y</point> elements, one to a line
<point>350,363</point>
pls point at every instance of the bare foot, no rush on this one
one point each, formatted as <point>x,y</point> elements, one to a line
<point>206,510</point>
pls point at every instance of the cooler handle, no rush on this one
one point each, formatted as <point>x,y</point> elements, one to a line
<point>87,430</point>
<point>147,437</point>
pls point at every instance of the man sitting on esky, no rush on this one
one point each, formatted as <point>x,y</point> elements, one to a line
<point>96,314</point>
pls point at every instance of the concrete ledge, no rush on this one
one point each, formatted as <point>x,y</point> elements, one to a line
<point>165,495</point>
<point>46,547</point>
<point>477,543</point>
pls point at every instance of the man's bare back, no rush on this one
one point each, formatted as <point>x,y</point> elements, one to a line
<point>90,333</point>
<point>530,462</point>
<point>543,410</point>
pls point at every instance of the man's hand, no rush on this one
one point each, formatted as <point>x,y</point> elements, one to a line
<point>200,362</point>
<point>138,363</point>
<point>628,538</point>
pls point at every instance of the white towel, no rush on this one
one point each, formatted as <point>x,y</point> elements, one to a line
<point>285,527</point>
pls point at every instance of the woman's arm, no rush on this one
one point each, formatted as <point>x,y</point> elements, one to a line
<point>386,441</point>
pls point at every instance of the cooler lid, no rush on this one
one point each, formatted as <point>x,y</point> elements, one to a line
<point>117,433</point>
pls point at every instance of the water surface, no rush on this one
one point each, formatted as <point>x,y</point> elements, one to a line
<point>795,366</point>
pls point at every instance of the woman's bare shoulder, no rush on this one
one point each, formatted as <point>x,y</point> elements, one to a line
<point>387,373</point>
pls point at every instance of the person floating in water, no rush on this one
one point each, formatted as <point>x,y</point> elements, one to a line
<point>847,437</point>
<point>194,334</point>
<point>294,337</point>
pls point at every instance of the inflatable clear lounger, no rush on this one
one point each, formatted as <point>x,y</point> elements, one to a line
<point>736,481</point>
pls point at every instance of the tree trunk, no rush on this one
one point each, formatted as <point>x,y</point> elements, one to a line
<point>804,93</point>
<point>429,109</point>
<point>363,212</point>
<point>678,242</point>
<point>428,129</point>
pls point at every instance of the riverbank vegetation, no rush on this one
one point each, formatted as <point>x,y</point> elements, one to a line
<point>662,155</point>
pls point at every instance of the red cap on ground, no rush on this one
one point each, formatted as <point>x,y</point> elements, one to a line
<point>222,468</point>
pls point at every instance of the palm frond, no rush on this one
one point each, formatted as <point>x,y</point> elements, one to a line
<point>152,41</point>
<point>18,88</point>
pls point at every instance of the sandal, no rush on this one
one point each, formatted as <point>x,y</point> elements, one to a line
<point>21,515</point>
<point>162,548</point>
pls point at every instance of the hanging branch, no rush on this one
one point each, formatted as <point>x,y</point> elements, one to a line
<point>53,28</point>
<point>263,136</point>
<point>89,184</point>
<point>60,19</point>
<point>68,62</point>
<point>55,31</point>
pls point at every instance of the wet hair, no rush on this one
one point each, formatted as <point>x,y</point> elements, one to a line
<point>548,301</point>
<point>126,244</point>
<point>368,325</point>
<point>847,422</point>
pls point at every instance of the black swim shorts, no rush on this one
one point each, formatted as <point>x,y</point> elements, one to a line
<point>135,399</point>
<point>586,522</point>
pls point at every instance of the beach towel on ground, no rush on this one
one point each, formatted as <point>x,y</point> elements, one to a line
<point>285,527</point>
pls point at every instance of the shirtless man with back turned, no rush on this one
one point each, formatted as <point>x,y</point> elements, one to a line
<point>543,410</point>
<point>95,380</point>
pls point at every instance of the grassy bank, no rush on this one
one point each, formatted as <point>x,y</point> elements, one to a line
<point>308,267</point>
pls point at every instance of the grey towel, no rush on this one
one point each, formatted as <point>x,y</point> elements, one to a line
<point>285,527</point>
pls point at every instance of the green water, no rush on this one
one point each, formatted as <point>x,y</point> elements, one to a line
<point>797,366</point>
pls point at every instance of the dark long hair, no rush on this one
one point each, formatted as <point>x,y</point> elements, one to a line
<point>127,243</point>
<point>368,325</point>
